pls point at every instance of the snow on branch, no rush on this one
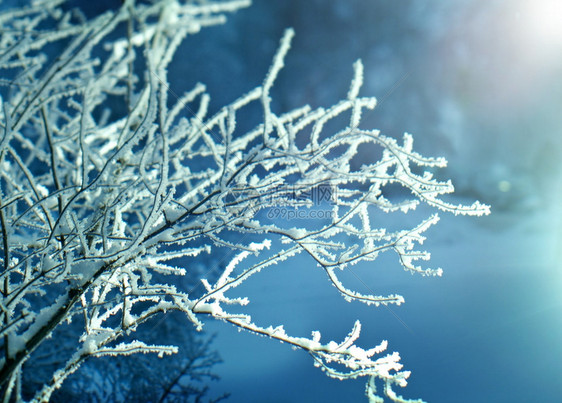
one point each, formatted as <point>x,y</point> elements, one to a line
<point>108,211</point>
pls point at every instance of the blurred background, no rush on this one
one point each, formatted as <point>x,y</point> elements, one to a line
<point>476,81</point>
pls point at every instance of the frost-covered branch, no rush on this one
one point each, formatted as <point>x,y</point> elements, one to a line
<point>111,191</point>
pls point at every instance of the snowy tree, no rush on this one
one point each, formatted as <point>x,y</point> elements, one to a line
<point>112,191</point>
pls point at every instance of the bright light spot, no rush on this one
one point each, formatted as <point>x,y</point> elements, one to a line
<point>541,23</point>
<point>504,186</point>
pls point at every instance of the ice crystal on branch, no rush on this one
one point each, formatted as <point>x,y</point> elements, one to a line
<point>111,190</point>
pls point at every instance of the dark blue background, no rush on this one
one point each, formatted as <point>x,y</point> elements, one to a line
<point>477,81</point>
